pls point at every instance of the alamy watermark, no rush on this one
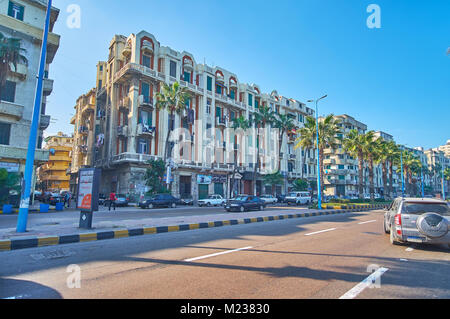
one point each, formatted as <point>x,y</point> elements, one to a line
<point>74,279</point>
<point>74,19</point>
<point>374,19</point>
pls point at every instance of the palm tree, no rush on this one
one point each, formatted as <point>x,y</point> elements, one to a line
<point>353,144</point>
<point>306,140</point>
<point>393,157</point>
<point>369,150</point>
<point>173,98</point>
<point>382,159</point>
<point>262,117</point>
<point>284,123</point>
<point>11,53</point>
<point>243,124</point>
<point>328,132</point>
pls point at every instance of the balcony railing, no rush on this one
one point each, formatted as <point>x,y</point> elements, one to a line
<point>83,130</point>
<point>143,129</point>
<point>122,131</point>
<point>221,121</point>
<point>146,101</point>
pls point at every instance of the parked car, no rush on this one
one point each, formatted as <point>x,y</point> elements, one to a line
<point>55,198</point>
<point>37,195</point>
<point>280,198</point>
<point>212,200</point>
<point>245,203</point>
<point>269,199</point>
<point>122,200</point>
<point>187,200</point>
<point>160,200</point>
<point>101,199</point>
<point>298,198</point>
<point>418,220</point>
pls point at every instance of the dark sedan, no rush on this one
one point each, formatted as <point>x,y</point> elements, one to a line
<point>245,203</point>
<point>160,200</point>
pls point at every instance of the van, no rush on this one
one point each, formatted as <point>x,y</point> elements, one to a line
<point>298,198</point>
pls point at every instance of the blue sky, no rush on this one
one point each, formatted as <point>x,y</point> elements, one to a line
<point>395,79</point>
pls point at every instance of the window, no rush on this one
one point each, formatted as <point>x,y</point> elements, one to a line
<point>143,146</point>
<point>5,131</point>
<point>100,83</point>
<point>187,77</point>
<point>250,99</point>
<point>209,83</point>
<point>341,166</point>
<point>16,11</point>
<point>173,69</point>
<point>146,61</point>
<point>218,89</point>
<point>208,106</point>
<point>232,95</point>
<point>145,118</point>
<point>145,91</point>
<point>8,92</point>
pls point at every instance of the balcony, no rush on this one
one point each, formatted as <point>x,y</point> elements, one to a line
<point>122,131</point>
<point>84,130</point>
<point>147,47</point>
<point>145,130</point>
<point>44,122</point>
<point>88,108</point>
<point>126,52</point>
<point>146,101</point>
<point>127,158</point>
<point>221,121</point>
<point>11,109</point>
<point>47,87</point>
<point>133,69</point>
<point>21,71</point>
<point>83,149</point>
<point>291,138</point>
<point>188,65</point>
<point>292,157</point>
<point>124,104</point>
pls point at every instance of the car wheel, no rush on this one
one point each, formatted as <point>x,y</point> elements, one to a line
<point>150,206</point>
<point>392,239</point>
<point>242,209</point>
<point>385,227</point>
<point>261,207</point>
<point>174,205</point>
<point>208,205</point>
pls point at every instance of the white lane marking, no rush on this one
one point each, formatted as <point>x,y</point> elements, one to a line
<point>409,249</point>
<point>217,254</point>
<point>355,291</point>
<point>18,297</point>
<point>322,231</point>
<point>369,221</point>
<point>403,259</point>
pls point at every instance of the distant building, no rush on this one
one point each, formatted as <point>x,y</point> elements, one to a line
<point>52,175</point>
<point>445,148</point>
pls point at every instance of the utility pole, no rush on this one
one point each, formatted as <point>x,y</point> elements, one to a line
<point>29,164</point>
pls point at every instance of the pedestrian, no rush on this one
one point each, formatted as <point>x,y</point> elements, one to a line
<point>67,199</point>
<point>112,200</point>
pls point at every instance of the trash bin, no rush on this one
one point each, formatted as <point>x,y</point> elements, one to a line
<point>59,207</point>
<point>7,209</point>
<point>43,208</point>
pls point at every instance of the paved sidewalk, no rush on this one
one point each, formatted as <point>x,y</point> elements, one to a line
<point>57,232</point>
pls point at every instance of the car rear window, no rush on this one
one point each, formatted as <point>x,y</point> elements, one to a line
<point>422,208</point>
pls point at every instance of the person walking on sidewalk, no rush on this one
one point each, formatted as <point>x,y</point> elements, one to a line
<point>112,200</point>
<point>67,199</point>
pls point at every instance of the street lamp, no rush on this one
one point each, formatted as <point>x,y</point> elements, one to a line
<point>319,197</point>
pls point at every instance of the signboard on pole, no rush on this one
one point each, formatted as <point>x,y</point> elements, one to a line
<point>88,185</point>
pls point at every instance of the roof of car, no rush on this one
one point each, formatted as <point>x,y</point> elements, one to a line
<point>424,200</point>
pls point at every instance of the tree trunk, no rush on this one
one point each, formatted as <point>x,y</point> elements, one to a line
<point>320,187</point>
<point>371,184</point>
<point>384,169</point>
<point>391,172</point>
<point>361,177</point>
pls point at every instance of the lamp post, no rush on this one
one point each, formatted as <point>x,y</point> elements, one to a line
<point>29,164</point>
<point>319,189</point>
<point>443,181</point>
<point>401,170</point>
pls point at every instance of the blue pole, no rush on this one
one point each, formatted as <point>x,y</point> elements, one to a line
<point>443,182</point>
<point>29,164</point>
<point>319,195</point>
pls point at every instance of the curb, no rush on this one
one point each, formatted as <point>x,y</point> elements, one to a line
<point>34,211</point>
<point>34,242</point>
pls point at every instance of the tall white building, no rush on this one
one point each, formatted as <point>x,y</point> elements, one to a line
<point>24,20</point>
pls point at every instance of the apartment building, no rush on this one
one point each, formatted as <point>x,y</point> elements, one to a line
<point>445,148</point>
<point>129,131</point>
<point>341,169</point>
<point>52,175</point>
<point>24,20</point>
<point>84,135</point>
<point>436,159</point>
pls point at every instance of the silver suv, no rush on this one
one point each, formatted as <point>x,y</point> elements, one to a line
<point>418,220</point>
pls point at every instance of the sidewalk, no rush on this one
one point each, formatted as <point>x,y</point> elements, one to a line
<point>54,233</point>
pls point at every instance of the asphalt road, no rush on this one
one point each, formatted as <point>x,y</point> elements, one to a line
<point>319,257</point>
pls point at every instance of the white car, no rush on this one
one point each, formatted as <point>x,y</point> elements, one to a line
<point>298,198</point>
<point>269,199</point>
<point>212,200</point>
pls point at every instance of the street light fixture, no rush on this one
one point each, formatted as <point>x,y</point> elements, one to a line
<point>319,197</point>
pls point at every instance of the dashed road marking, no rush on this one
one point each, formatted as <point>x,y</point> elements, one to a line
<point>369,221</point>
<point>355,291</point>
<point>321,231</point>
<point>217,254</point>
